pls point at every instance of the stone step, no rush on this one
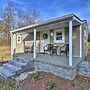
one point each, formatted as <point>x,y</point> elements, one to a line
<point>18,64</point>
<point>5,73</point>
<point>22,60</point>
<point>11,68</point>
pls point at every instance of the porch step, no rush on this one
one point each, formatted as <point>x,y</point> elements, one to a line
<point>22,60</point>
<point>18,64</point>
<point>14,67</point>
<point>11,68</point>
<point>4,73</point>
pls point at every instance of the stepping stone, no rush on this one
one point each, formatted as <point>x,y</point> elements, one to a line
<point>11,68</point>
<point>5,73</point>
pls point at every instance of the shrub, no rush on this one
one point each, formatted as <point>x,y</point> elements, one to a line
<point>36,76</point>
<point>51,85</point>
<point>10,84</point>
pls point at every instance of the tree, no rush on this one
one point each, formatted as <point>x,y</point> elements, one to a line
<point>11,18</point>
<point>31,16</point>
<point>7,16</point>
<point>27,17</point>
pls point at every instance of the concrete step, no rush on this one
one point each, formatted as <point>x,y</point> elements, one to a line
<point>18,64</point>
<point>19,59</point>
<point>5,73</point>
<point>11,68</point>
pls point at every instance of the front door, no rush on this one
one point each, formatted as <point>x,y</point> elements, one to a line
<point>44,39</point>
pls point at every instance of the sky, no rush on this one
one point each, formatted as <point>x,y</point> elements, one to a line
<point>54,8</point>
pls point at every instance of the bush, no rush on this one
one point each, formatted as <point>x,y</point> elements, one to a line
<point>51,85</point>
<point>37,76</point>
<point>11,84</point>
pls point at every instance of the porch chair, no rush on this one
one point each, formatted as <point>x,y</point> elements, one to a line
<point>47,48</point>
<point>64,49</point>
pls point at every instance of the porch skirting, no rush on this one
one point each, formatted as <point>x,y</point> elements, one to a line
<point>65,72</point>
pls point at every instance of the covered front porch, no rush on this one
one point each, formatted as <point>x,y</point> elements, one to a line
<point>67,29</point>
<point>61,61</point>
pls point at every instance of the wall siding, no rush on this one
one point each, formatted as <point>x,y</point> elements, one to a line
<point>76,41</point>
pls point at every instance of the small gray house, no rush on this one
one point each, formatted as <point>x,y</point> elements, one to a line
<point>30,41</point>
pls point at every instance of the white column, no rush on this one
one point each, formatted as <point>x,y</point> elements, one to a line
<point>81,40</point>
<point>34,44</point>
<point>70,42</point>
<point>11,45</point>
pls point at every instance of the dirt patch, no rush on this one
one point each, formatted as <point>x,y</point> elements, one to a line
<point>79,83</point>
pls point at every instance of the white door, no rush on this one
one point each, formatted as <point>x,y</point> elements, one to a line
<point>43,41</point>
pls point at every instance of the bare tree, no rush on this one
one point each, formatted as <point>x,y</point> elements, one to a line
<point>12,18</point>
<point>7,16</point>
<point>27,17</point>
<point>31,16</point>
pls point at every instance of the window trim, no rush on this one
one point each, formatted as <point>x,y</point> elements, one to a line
<point>18,37</point>
<point>63,36</point>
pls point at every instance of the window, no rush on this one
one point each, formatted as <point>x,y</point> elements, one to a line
<point>59,36</point>
<point>19,39</point>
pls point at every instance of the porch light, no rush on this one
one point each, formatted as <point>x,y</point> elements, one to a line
<point>51,34</point>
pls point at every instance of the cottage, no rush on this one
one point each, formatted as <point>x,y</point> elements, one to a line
<point>65,36</point>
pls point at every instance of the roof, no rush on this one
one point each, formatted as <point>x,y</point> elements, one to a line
<point>29,37</point>
<point>47,22</point>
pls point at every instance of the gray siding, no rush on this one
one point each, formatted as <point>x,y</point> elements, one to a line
<point>85,48</point>
<point>76,41</point>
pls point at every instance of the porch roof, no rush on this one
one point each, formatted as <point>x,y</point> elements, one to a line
<point>58,19</point>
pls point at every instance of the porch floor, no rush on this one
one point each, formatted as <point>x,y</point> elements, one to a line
<point>46,58</point>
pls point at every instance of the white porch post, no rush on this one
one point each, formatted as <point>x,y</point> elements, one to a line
<point>34,49</point>
<point>81,40</point>
<point>70,42</point>
<point>13,45</point>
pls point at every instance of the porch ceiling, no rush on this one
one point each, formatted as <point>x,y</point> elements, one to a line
<point>52,26</point>
<point>57,25</point>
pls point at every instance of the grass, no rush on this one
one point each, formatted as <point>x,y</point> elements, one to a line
<point>51,85</point>
<point>4,53</point>
<point>11,84</point>
<point>36,76</point>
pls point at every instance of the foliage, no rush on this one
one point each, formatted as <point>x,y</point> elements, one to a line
<point>51,85</point>
<point>12,17</point>
<point>36,76</point>
<point>11,84</point>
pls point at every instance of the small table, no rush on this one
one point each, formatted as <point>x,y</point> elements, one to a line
<point>54,49</point>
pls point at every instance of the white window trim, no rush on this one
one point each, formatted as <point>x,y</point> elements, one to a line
<point>63,36</point>
<point>17,38</point>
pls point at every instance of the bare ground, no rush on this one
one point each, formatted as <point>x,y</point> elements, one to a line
<point>79,83</point>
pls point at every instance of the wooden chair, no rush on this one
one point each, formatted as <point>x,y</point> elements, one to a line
<point>64,49</point>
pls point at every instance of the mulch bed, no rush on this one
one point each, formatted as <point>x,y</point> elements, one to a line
<point>79,83</point>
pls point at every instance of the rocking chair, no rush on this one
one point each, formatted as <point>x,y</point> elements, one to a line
<point>64,49</point>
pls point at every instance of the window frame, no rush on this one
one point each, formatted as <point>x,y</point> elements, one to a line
<point>63,35</point>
